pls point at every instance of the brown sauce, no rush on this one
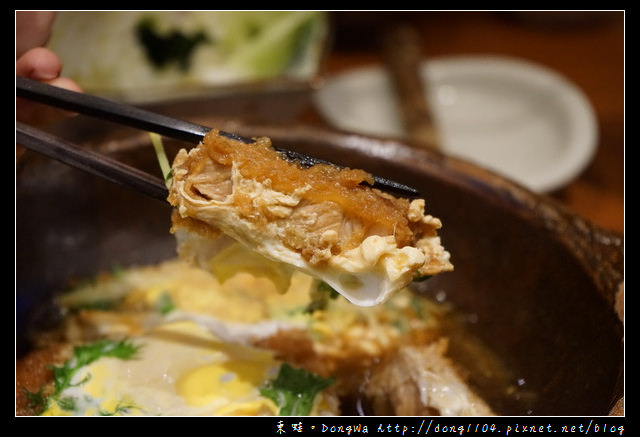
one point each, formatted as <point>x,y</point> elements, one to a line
<point>325,183</point>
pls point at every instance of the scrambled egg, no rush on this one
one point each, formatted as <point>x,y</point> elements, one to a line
<point>183,370</point>
<point>195,335</point>
<point>207,342</point>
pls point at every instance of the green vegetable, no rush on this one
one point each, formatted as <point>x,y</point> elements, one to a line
<point>417,304</point>
<point>421,278</point>
<point>320,297</point>
<point>163,161</point>
<point>267,43</point>
<point>294,390</point>
<point>67,403</point>
<point>37,400</point>
<point>82,356</point>
<point>175,47</point>
<point>121,408</point>
<point>86,354</point>
<point>164,304</point>
<point>100,292</point>
<point>98,305</point>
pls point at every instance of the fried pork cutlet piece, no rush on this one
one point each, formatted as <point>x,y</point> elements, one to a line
<point>35,377</point>
<point>421,381</point>
<point>365,243</point>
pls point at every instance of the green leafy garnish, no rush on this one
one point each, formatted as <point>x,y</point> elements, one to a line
<point>121,408</point>
<point>100,305</point>
<point>67,403</point>
<point>320,297</point>
<point>37,400</point>
<point>174,47</point>
<point>294,390</point>
<point>86,354</point>
<point>83,355</point>
<point>417,305</point>
<point>421,278</point>
<point>164,304</point>
<point>117,271</point>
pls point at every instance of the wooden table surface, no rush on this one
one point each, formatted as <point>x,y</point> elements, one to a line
<point>587,48</point>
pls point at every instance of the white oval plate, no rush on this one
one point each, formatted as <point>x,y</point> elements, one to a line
<point>514,117</point>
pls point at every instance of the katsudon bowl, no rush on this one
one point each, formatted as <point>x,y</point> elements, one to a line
<point>536,320</point>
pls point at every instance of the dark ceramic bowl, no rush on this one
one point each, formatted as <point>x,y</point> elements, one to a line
<point>533,284</point>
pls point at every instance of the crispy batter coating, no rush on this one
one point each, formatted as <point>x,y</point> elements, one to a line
<point>321,217</point>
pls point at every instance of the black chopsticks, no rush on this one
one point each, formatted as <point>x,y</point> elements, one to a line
<point>104,109</point>
<point>90,161</point>
<point>132,116</point>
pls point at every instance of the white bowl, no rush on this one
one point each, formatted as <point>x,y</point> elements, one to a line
<point>511,116</point>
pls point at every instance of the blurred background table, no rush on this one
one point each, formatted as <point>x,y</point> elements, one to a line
<point>585,47</point>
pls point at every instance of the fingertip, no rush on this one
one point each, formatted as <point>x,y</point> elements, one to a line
<point>39,64</point>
